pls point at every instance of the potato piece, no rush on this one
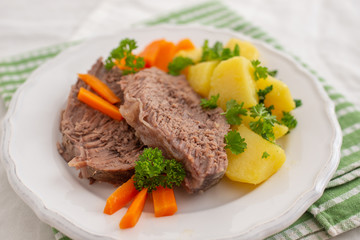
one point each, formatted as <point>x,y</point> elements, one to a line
<point>232,79</point>
<point>279,129</point>
<point>280,96</point>
<point>249,166</point>
<point>199,76</point>
<point>247,50</point>
<point>193,54</point>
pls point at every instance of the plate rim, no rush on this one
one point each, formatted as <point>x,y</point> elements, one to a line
<point>269,227</point>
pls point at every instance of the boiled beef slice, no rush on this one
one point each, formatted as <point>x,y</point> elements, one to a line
<point>102,148</point>
<point>166,113</point>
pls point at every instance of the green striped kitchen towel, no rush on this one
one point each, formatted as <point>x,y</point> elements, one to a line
<point>337,211</point>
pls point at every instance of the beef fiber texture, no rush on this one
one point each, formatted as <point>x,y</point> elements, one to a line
<point>166,113</point>
<point>102,148</point>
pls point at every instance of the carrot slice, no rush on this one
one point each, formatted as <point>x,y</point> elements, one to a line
<point>99,104</point>
<point>164,202</point>
<point>120,197</point>
<point>151,51</point>
<point>100,87</point>
<point>165,55</point>
<point>133,213</point>
<point>184,44</point>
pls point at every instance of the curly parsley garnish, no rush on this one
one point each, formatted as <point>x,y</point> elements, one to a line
<point>153,170</point>
<point>273,73</point>
<point>260,72</point>
<point>178,64</point>
<point>298,103</point>
<point>264,122</point>
<point>262,93</point>
<point>124,51</point>
<point>210,103</point>
<point>288,120</point>
<point>235,142</point>
<point>218,52</point>
<point>233,112</point>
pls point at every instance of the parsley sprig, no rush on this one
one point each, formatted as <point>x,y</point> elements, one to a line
<point>124,51</point>
<point>235,142</point>
<point>153,170</point>
<point>210,103</point>
<point>233,112</point>
<point>298,103</point>
<point>273,73</point>
<point>262,93</point>
<point>264,122</point>
<point>288,120</point>
<point>218,52</point>
<point>178,64</point>
<point>261,72</point>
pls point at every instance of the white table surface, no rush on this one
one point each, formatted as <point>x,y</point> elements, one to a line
<point>324,33</point>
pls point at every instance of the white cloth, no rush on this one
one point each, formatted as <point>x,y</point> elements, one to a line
<point>323,33</point>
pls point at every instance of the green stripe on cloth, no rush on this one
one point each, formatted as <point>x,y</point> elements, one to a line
<point>336,211</point>
<point>14,70</point>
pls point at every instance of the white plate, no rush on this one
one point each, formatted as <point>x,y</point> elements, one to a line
<point>229,210</point>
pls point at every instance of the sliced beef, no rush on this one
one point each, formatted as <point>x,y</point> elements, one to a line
<point>166,113</point>
<point>102,148</point>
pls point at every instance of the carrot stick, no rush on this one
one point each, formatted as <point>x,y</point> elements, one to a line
<point>100,87</point>
<point>133,213</point>
<point>99,104</point>
<point>184,44</point>
<point>120,197</point>
<point>164,202</point>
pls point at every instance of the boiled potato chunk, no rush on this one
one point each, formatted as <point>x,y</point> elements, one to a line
<point>247,50</point>
<point>194,54</point>
<point>249,166</point>
<point>199,76</point>
<point>280,96</point>
<point>232,79</point>
<point>279,129</point>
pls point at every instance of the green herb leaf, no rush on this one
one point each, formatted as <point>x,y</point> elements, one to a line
<point>124,51</point>
<point>298,103</point>
<point>153,170</point>
<point>270,108</point>
<point>217,49</point>
<point>273,73</point>
<point>235,142</point>
<point>236,51</point>
<point>265,155</point>
<point>210,103</point>
<point>218,52</point>
<point>288,120</point>
<point>264,122</point>
<point>178,64</point>
<point>260,72</point>
<point>233,112</point>
<point>262,93</point>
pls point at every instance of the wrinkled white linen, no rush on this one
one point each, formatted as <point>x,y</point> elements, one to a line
<point>323,33</point>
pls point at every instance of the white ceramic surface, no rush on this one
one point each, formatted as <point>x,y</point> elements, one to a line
<point>229,210</point>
